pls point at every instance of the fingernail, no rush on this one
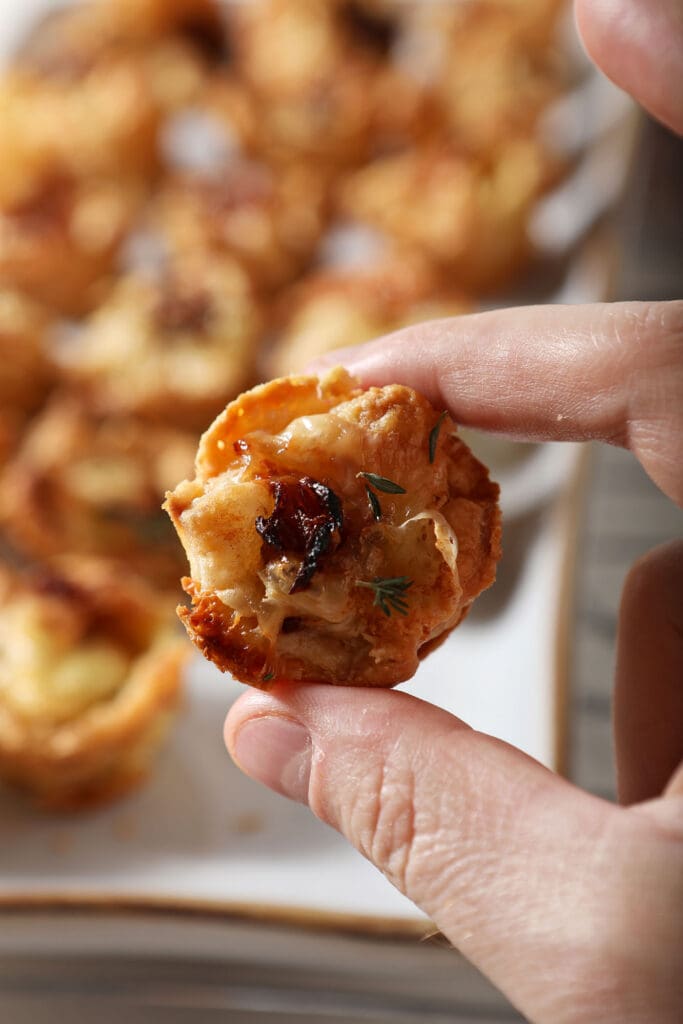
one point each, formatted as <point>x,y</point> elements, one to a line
<point>277,752</point>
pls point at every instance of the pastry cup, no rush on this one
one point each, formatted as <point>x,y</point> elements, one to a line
<point>174,349</point>
<point>90,674</point>
<point>468,216</point>
<point>334,535</point>
<point>26,371</point>
<point>93,485</point>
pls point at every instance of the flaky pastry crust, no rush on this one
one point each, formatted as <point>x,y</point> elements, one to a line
<point>303,567</point>
<point>90,672</point>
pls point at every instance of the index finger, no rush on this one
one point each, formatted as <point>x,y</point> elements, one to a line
<point>611,372</point>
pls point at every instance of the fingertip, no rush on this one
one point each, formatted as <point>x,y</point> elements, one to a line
<point>637,44</point>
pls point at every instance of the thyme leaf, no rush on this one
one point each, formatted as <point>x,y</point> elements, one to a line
<point>389,593</point>
<point>374,503</point>
<point>380,483</point>
<point>267,677</point>
<point>434,436</point>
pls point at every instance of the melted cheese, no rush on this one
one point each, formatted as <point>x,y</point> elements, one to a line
<point>43,677</point>
<point>446,540</point>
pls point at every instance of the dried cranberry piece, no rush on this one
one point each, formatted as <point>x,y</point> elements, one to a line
<point>307,520</point>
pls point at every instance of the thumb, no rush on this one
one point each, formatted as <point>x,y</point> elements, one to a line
<point>506,858</point>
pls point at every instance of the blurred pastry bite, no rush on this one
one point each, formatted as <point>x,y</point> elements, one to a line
<point>334,535</point>
<point>101,122</point>
<point>316,72</point>
<point>90,674</point>
<point>469,216</point>
<point>269,221</point>
<point>201,21</point>
<point>173,348</point>
<point>331,309</point>
<point>60,242</point>
<point>79,36</point>
<point>496,77</point>
<point>93,485</point>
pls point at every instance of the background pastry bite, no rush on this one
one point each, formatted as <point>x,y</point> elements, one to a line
<point>312,68</point>
<point>174,348</point>
<point>102,122</point>
<point>331,309</point>
<point>89,485</point>
<point>89,681</point>
<point>269,221</point>
<point>468,216</point>
<point>60,242</point>
<point>334,534</point>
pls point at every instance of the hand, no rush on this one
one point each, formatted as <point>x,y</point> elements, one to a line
<point>572,906</point>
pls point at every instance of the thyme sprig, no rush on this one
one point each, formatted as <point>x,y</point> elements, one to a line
<point>374,503</point>
<point>434,436</point>
<point>380,483</point>
<point>389,593</point>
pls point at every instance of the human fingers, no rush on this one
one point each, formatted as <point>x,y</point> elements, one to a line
<point>648,707</point>
<point>639,45</point>
<point>530,878</point>
<point>610,372</point>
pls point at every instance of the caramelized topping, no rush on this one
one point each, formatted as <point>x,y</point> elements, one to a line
<point>307,520</point>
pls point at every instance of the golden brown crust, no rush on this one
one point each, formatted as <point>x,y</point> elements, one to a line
<point>498,69</point>
<point>70,757</point>
<point>101,124</point>
<point>286,546</point>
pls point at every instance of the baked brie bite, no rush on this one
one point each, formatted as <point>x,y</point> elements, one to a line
<point>334,534</point>
<point>90,674</point>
